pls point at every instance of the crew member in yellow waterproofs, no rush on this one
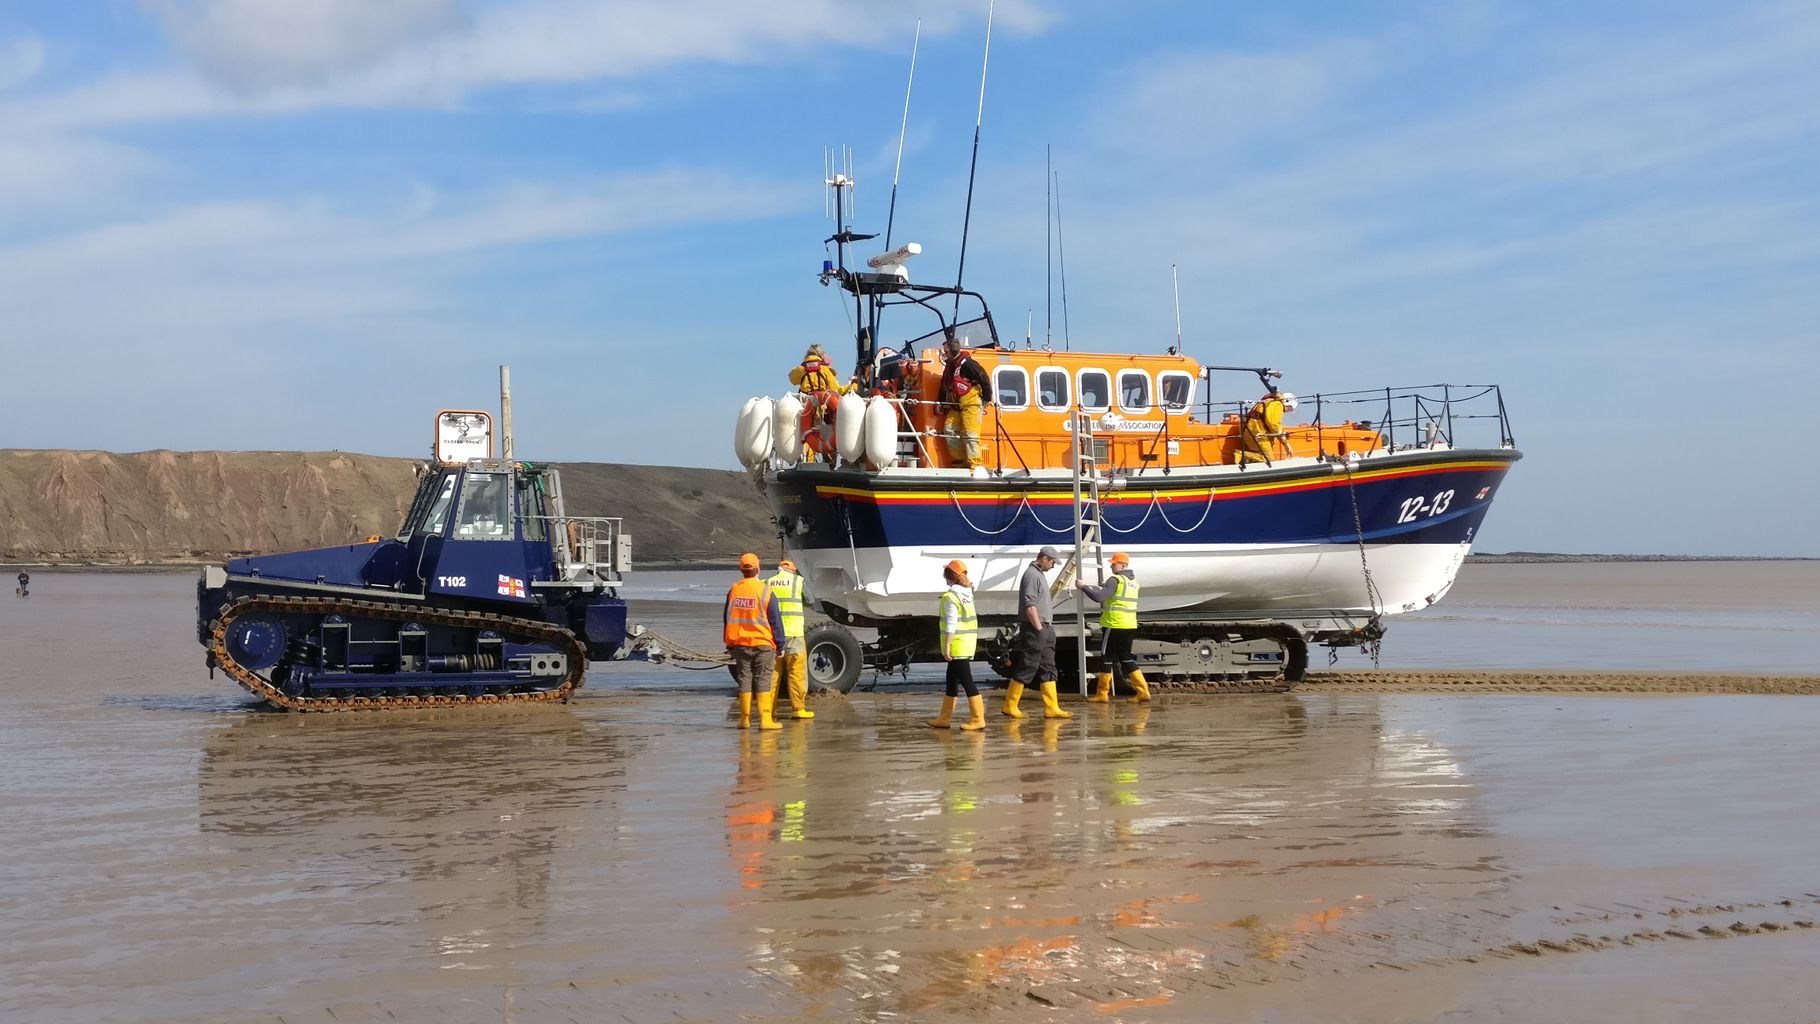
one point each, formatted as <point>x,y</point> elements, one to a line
<point>1263,429</point>
<point>792,661</point>
<point>820,386</point>
<point>960,630</point>
<point>965,391</point>
<point>1118,600</point>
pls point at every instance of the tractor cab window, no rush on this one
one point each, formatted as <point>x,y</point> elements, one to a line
<point>436,517</point>
<point>486,508</point>
<point>530,504</point>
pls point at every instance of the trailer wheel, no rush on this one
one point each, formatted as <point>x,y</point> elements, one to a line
<point>833,658</point>
<point>1295,659</point>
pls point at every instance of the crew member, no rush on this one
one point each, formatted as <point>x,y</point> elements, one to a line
<point>752,625</point>
<point>25,584</point>
<point>820,387</point>
<point>1033,651</point>
<point>959,639</point>
<point>1118,599</point>
<point>792,664</point>
<point>1263,429</point>
<point>966,390</point>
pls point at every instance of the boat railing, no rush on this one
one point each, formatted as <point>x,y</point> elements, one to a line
<point>1425,416</point>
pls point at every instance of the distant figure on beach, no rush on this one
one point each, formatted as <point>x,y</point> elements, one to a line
<point>753,625</point>
<point>959,639</point>
<point>24,589</point>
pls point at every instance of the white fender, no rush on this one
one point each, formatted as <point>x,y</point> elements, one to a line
<point>752,435</point>
<point>787,429</point>
<point>850,427</point>
<point>881,432</point>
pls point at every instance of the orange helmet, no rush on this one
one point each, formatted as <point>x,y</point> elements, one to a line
<point>1120,558</point>
<point>785,563</point>
<point>748,561</point>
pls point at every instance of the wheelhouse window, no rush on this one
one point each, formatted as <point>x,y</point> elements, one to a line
<point>1176,389</point>
<point>1134,391</point>
<point>1052,389</point>
<point>1096,390</point>
<point>1011,388</point>
<point>486,508</point>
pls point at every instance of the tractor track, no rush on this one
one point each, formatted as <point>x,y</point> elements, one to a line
<point>516,628</point>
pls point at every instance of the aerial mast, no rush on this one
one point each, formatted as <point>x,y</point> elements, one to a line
<point>979,119</point>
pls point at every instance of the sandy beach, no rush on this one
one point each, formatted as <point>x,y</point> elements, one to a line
<point>1402,846</point>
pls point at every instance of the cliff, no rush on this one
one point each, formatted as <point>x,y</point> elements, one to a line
<point>160,507</point>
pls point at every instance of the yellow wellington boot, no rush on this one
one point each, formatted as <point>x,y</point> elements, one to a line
<point>745,710</point>
<point>765,703</point>
<point>1013,693</point>
<point>799,686</point>
<point>1052,708</point>
<point>1102,689</point>
<point>1140,684</point>
<point>941,721</point>
<point>976,704</point>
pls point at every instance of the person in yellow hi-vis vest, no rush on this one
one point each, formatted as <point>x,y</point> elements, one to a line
<point>1263,429</point>
<point>792,662</point>
<point>1118,599</point>
<point>960,639</point>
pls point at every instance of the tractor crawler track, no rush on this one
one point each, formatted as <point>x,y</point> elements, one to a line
<point>516,628</point>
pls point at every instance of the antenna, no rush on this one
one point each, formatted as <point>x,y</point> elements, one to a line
<point>1062,257</point>
<point>979,119</point>
<point>891,216</point>
<point>1048,251</point>
<point>1177,281</point>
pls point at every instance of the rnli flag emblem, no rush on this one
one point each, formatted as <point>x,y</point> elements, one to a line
<point>1483,491</point>
<point>510,587</point>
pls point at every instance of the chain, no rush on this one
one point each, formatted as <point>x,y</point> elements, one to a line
<point>519,628</point>
<point>1372,594</point>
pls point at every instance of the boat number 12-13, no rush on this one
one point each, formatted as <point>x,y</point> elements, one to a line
<point>1413,507</point>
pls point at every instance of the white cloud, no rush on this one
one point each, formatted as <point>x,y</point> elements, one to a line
<point>434,53</point>
<point>243,267</point>
<point>21,58</point>
<point>256,45</point>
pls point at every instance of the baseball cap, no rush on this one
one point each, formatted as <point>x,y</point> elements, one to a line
<point>785,563</point>
<point>748,561</point>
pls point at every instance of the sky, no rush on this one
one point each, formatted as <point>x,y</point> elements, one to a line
<point>274,224</point>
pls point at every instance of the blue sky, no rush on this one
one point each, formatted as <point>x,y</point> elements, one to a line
<point>274,224</point>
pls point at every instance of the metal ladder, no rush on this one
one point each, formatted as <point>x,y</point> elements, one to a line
<point>1087,530</point>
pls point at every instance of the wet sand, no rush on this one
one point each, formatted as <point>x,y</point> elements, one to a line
<point>172,855</point>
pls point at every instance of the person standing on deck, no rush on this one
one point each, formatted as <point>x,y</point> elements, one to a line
<point>1263,428</point>
<point>1117,598</point>
<point>959,640</point>
<point>1033,652</point>
<point>966,390</point>
<point>792,663</point>
<point>820,386</point>
<point>752,626</point>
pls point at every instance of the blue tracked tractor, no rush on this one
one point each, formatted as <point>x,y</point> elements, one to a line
<point>491,593</point>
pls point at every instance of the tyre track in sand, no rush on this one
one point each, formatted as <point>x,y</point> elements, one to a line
<point>1466,681</point>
